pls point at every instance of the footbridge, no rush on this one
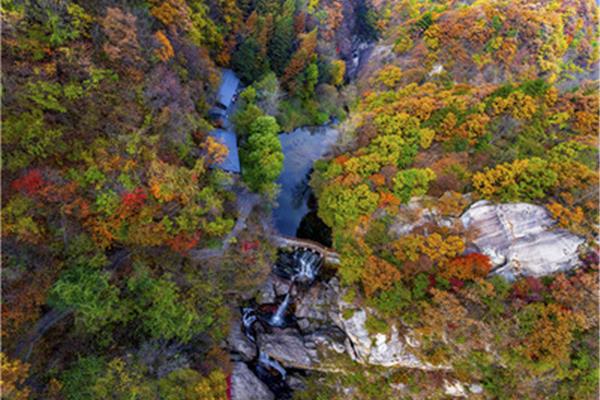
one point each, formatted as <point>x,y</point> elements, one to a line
<point>328,254</point>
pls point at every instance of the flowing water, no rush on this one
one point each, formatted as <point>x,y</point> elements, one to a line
<point>277,318</point>
<point>301,148</point>
<point>301,266</point>
<point>295,215</point>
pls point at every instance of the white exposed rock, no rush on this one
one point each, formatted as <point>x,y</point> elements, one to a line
<point>476,388</point>
<point>324,340</point>
<point>246,386</point>
<point>454,389</point>
<point>412,341</point>
<point>436,70</point>
<point>385,350</point>
<point>398,387</point>
<point>520,239</point>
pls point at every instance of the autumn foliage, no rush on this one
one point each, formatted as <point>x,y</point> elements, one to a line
<point>30,184</point>
<point>378,275</point>
<point>469,267</point>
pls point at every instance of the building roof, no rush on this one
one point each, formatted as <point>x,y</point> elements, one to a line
<point>232,161</point>
<point>229,84</point>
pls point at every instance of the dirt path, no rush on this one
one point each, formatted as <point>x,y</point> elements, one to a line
<point>245,203</point>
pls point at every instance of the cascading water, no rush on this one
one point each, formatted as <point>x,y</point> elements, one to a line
<point>248,319</point>
<point>300,266</point>
<point>304,266</point>
<point>309,264</point>
<point>277,318</point>
<point>266,361</point>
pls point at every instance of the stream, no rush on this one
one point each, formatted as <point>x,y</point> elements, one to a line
<point>295,216</point>
<point>300,267</point>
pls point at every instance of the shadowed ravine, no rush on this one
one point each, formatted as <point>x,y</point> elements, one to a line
<point>300,267</point>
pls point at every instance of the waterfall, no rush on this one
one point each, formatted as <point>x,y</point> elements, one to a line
<point>277,318</point>
<point>300,266</point>
<point>308,264</point>
<point>248,318</point>
<point>304,268</point>
<point>268,362</point>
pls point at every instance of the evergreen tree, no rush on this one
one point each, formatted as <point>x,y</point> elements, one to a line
<point>366,22</point>
<point>249,62</point>
<point>282,41</point>
<point>264,7</point>
<point>308,80</point>
<point>246,6</point>
<point>263,157</point>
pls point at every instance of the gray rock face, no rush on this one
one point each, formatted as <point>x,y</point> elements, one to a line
<point>246,386</point>
<point>520,239</point>
<point>272,287</point>
<point>239,343</point>
<point>288,348</point>
<point>316,302</point>
<point>391,350</point>
<point>292,349</point>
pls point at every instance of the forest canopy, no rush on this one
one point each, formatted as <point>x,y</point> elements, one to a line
<point>127,252</point>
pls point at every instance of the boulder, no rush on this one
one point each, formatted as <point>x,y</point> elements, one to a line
<point>476,388</point>
<point>288,348</point>
<point>386,350</point>
<point>246,386</point>
<point>239,343</point>
<point>454,389</point>
<point>310,352</point>
<point>295,383</point>
<point>266,294</point>
<point>315,303</point>
<point>326,341</point>
<point>303,324</point>
<point>281,286</point>
<point>521,239</point>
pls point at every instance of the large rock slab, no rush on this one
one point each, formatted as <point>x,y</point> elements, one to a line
<point>246,386</point>
<point>521,239</point>
<point>288,348</point>
<point>317,301</point>
<point>239,343</point>
<point>390,350</point>
<point>315,351</point>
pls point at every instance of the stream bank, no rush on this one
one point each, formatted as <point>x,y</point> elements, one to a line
<point>269,352</point>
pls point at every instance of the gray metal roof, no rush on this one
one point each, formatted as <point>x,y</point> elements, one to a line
<point>232,161</point>
<point>229,84</point>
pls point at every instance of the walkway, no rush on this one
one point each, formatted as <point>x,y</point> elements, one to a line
<point>245,203</point>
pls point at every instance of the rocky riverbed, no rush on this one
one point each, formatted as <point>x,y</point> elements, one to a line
<point>322,332</point>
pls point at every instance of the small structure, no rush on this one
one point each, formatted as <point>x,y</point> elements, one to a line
<point>231,163</point>
<point>219,114</point>
<point>229,85</point>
